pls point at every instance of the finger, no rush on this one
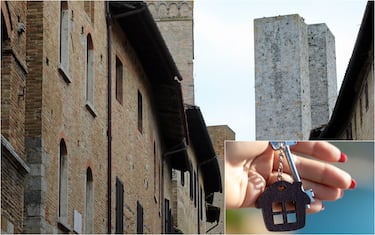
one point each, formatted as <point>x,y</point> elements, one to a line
<point>323,192</point>
<point>254,188</point>
<point>322,173</point>
<point>320,150</point>
<point>315,207</point>
<point>238,151</point>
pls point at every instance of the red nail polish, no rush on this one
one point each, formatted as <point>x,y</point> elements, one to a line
<point>353,184</point>
<point>343,157</point>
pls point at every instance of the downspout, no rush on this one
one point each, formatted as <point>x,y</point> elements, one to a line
<point>109,116</point>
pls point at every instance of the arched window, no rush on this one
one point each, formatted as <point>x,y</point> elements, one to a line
<point>89,218</point>
<point>63,182</point>
<point>64,40</point>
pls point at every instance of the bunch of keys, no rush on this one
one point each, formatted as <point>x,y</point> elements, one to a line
<point>284,204</point>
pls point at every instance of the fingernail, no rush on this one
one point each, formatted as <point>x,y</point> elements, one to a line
<point>353,184</point>
<point>323,207</point>
<point>343,157</point>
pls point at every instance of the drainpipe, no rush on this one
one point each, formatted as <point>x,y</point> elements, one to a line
<point>109,120</point>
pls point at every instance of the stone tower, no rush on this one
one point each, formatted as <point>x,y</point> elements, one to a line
<point>322,73</point>
<point>295,77</point>
<point>175,22</point>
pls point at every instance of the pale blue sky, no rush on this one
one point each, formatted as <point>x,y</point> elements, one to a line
<point>224,54</point>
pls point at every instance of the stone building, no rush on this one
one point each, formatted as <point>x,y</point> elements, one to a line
<point>295,76</point>
<point>175,22</point>
<point>93,109</point>
<point>353,115</point>
<point>13,81</point>
<point>219,134</point>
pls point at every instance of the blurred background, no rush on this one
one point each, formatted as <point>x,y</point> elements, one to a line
<point>354,213</point>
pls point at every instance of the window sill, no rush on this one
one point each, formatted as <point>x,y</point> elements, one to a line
<point>91,109</point>
<point>63,226</point>
<point>63,71</point>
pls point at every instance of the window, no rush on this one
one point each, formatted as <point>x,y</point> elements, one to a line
<point>119,78</point>
<point>191,185</point>
<point>140,112</point>
<point>63,183</point>
<point>167,217</point>
<point>155,168</point>
<point>200,203</point>
<point>89,71</point>
<point>139,218</point>
<point>366,96</point>
<point>182,178</point>
<point>64,40</point>
<point>89,218</point>
<point>119,206</point>
<point>284,212</point>
<point>195,189</point>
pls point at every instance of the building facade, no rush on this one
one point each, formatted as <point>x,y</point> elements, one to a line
<point>102,131</point>
<point>219,134</point>
<point>295,76</point>
<point>353,114</point>
<point>175,22</point>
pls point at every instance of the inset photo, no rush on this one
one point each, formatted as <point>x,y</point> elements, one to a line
<point>299,187</point>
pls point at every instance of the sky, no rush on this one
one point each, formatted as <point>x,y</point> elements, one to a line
<point>224,52</point>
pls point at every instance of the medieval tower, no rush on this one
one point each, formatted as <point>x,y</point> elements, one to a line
<point>175,22</point>
<point>295,77</point>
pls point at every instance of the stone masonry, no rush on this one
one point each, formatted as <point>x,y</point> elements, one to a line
<point>322,73</point>
<point>175,22</point>
<point>295,77</point>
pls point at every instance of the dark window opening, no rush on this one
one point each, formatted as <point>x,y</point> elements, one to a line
<point>63,182</point>
<point>119,79</point>
<point>139,218</point>
<point>140,112</point>
<point>119,206</point>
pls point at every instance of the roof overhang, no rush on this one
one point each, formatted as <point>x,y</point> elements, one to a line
<point>362,56</point>
<point>204,151</point>
<point>145,38</point>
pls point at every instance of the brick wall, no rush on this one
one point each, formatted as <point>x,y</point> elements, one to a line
<point>13,77</point>
<point>11,197</point>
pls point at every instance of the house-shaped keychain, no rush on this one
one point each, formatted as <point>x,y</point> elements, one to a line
<point>284,206</point>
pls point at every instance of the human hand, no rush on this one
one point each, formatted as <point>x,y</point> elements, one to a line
<point>250,167</point>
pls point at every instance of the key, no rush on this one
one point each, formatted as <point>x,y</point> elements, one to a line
<point>284,204</point>
<point>285,147</point>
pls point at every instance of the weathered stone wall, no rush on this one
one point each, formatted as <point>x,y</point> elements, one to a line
<point>282,87</point>
<point>62,114</point>
<point>137,155</point>
<point>322,73</point>
<point>187,209</point>
<point>363,115</point>
<point>175,22</point>
<point>218,135</point>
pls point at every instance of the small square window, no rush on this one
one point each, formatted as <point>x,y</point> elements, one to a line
<point>278,219</point>
<point>277,207</point>
<point>291,218</point>
<point>290,206</point>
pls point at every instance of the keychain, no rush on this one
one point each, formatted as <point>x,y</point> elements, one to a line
<point>284,204</point>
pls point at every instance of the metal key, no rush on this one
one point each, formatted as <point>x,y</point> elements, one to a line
<point>284,146</point>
